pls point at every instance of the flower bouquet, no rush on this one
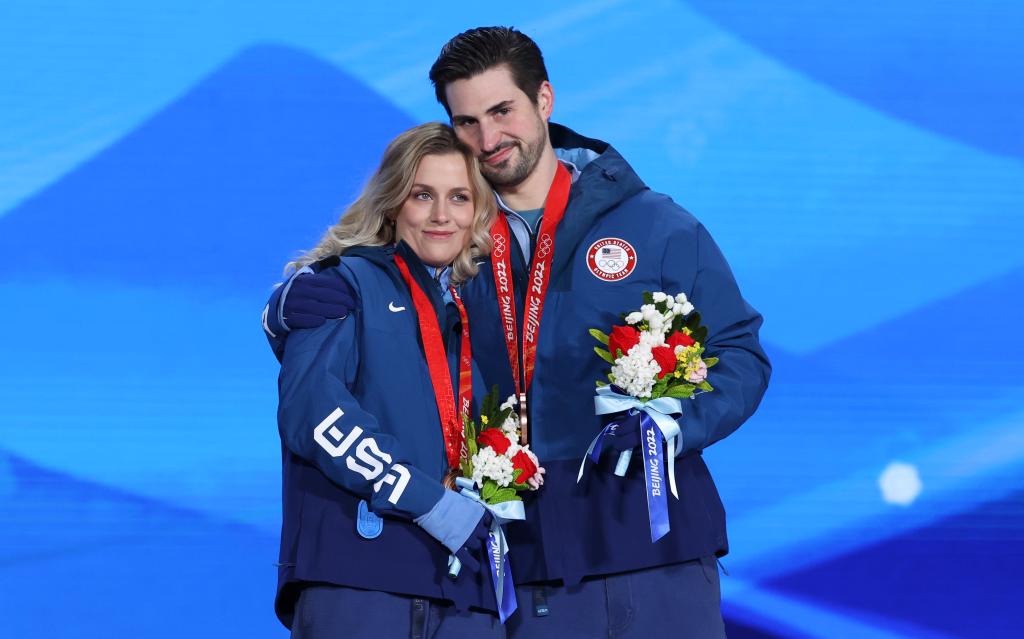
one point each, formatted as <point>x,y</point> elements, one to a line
<point>495,468</point>
<point>657,359</point>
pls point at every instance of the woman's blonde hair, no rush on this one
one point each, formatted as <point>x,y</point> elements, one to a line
<point>370,220</point>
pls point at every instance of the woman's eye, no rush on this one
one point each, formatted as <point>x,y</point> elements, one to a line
<point>422,195</point>
<point>460,197</point>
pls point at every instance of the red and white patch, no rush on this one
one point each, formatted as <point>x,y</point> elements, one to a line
<point>611,259</point>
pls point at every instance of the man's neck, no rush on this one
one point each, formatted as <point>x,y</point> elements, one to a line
<point>531,192</point>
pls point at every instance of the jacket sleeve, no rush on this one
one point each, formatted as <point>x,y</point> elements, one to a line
<point>741,376</point>
<point>275,330</point>
<point>274,325</point>
<point>320,421</point>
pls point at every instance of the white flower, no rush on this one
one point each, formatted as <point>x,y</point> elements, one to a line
<point>508,403</point>
<point>657,323</point>
<point>677,309</point>
<point>659,297</point>
<point>489,465</point>
<point>681,298</point>
<point>687,308</point>
<point>637,372</point>
<point>634,318</point>
<point>511,426</point>
<point>648,311</point>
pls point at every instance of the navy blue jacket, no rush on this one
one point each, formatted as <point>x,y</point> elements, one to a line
<point>358,420</point>
<point>600,525</point>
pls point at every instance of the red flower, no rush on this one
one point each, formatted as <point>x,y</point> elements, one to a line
<point>679,339</point>
<point>622,338</point>
<point>495,438</point>
<point>666,358</point>
<point>522,461</point>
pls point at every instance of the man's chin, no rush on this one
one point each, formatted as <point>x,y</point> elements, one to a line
<point>503,174</point>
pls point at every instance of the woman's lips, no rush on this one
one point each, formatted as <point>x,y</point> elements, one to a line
<point>439,235</point>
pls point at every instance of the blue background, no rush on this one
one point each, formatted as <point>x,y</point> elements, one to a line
<point>860,165</point>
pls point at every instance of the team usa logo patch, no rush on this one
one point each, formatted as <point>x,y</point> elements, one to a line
<point>611,259</point>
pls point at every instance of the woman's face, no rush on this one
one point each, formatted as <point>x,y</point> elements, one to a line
<point>436,217</point>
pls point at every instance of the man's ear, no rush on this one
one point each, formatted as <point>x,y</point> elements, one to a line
<point>545,99</point>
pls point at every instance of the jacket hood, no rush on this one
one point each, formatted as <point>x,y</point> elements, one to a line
<point>605,180</point>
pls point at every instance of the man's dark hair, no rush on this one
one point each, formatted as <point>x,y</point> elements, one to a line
<point>477,50</point>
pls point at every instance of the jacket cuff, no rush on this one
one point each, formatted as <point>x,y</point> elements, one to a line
<point>452,519</point>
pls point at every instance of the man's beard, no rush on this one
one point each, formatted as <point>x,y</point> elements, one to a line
<point>514,170</point>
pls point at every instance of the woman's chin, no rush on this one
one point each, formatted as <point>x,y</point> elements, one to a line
<point>438,258</point>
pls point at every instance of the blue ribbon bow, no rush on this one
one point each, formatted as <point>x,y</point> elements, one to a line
<point>656,424</point>
<point>497,547</point>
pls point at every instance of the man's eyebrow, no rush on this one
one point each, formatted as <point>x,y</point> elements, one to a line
<point>466,119</point>
<point>499,106</point>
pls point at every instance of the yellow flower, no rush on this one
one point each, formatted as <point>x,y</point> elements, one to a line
<point>676,374</point>
<point>483,418</point>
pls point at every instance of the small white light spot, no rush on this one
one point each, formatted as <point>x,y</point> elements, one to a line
<point>900,483</point>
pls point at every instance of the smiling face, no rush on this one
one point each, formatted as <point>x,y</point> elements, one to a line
<point>436,217</point>
<point>504,128</point>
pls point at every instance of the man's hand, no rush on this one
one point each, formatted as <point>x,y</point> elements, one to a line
<point>315,298</point>
<point>626,434</point>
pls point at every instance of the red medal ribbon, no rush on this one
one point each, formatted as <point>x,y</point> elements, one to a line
<point>437,363</point>
<point>540,275</point>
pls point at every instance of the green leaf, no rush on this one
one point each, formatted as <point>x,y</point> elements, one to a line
<point>704,386</point>
<point>599,336</point>
<point>710,361</point>
<point>678,322</point>
<point>611,378</point>
<point>485,405</point>
<point>700,335</point>
<point>487,492</point>
<point>502,495</point>
<point>681,391</point>
<point>605,355</point>
<point>599,383</point>
<point>660,386</point>
<point>648,297</point>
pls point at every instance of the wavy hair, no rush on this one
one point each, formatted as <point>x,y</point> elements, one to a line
<point>370,220</point>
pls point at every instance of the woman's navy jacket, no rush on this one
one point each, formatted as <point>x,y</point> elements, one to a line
<point>358,421</point>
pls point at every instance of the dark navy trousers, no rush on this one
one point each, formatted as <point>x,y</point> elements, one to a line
<point>681,601</point>
<point>335,612</point>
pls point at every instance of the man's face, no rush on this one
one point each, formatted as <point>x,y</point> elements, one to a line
<point>503,127</point>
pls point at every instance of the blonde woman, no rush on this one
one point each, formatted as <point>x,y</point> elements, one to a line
<point>370,407</point>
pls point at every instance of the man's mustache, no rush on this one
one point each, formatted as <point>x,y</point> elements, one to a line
<point>498,149</point>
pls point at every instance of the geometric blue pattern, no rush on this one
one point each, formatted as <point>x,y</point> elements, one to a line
<point>861,167</point>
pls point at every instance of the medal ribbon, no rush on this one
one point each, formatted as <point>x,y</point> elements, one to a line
<point>540,276</point>
<point>437,363</point>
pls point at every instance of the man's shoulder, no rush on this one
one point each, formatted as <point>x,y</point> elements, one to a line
<point>651,207</point>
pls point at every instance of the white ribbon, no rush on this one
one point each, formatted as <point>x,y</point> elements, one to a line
<point>660,410</point>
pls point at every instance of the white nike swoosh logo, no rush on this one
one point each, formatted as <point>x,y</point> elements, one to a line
<point>395,309</point>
